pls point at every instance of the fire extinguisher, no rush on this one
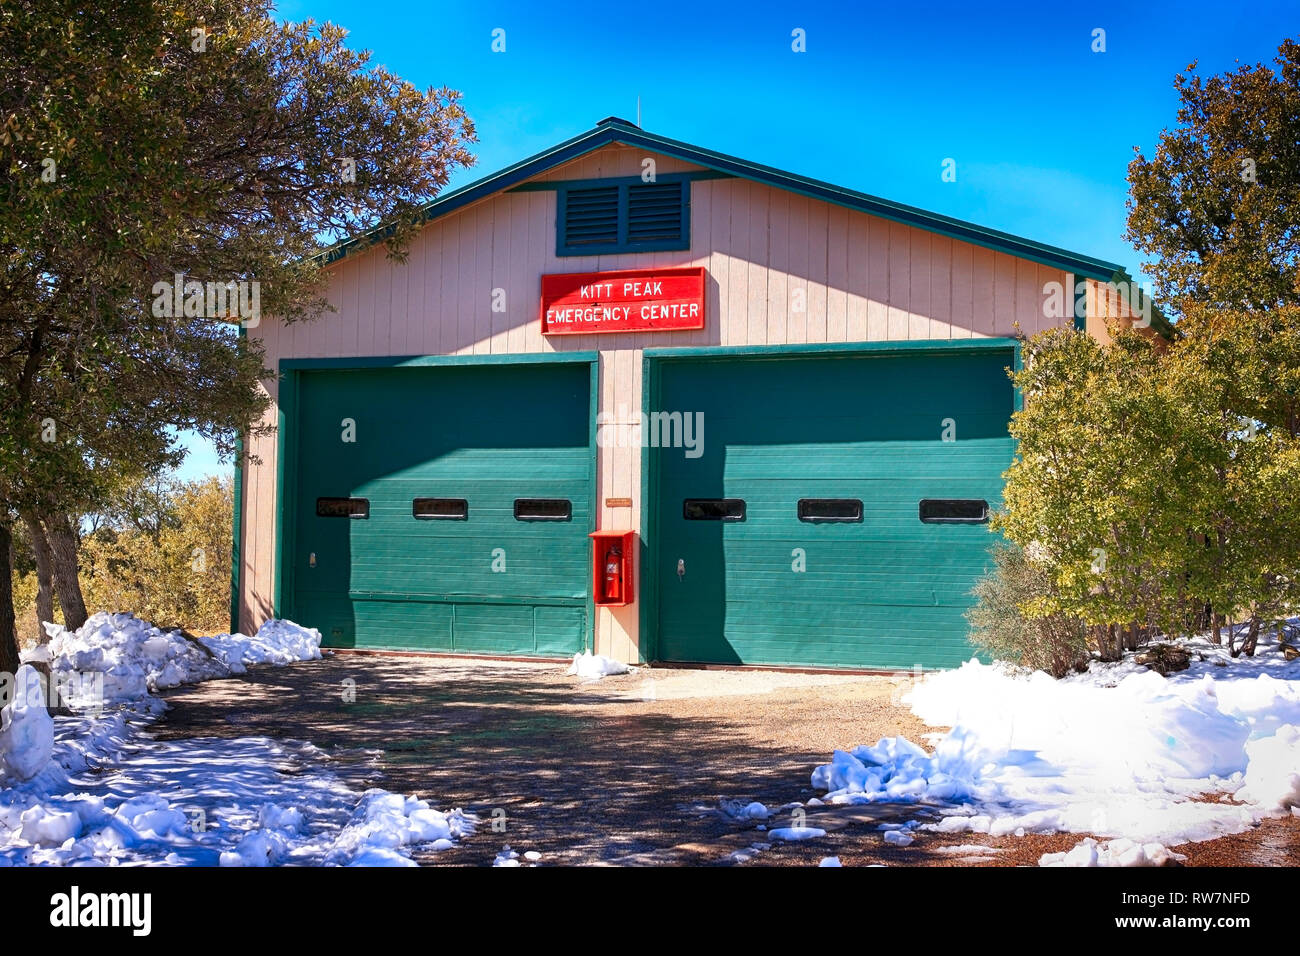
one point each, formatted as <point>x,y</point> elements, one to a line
<point>614,574</point>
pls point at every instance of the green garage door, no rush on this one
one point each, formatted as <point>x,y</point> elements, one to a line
<point>457,519</point>
<point>828,522</point>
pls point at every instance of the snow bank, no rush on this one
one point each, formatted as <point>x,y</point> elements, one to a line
<point>118,657</point>
<point>1146,725</point>
<point>1118,751</point>
<point>1273,770</point>
<point>248,801</point>
<point>591,666</point>
<point>26,728</point>
<point>208,802</point>
<point>276,642</point>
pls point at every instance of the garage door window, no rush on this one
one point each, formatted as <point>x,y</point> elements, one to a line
<point>830,509</point>
<point>713,509</point>
<point>543,509</point>
<point>446,509</point>
<point>343,507</point>
<point>954,510</point>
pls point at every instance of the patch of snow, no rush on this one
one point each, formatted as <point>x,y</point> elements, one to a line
<point>1120,852</point>
<point>969,849</point>
<point>591,666</point>
<point>384,822</point>
<point>745,855</point>
<point>507,857</point>
<point>739,810</point>
<point>795,833</point>
<point>830,861</point>
<point>898,837</point>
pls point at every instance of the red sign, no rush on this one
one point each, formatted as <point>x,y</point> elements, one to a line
<point>626,300</point>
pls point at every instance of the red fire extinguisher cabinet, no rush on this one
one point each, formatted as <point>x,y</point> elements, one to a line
<point>611,567</point>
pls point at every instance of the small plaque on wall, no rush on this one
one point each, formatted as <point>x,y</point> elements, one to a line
<point>618,502</point>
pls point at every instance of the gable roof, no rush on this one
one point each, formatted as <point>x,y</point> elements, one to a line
<point>614,130</point>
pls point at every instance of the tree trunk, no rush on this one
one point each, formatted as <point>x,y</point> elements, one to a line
<point>1100,635</point>
<point>8,630</point>
<point>44,573</point>
<point>1112,642</point>
<point>1218,629</point>
<point>1252,637</point>
<point>63,553</point>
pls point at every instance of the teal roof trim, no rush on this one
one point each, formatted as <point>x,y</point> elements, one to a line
<point>614,130</point>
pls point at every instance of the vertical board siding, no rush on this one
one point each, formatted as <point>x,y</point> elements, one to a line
<point>1107,307</point>
<point>797,275</point>
<point>818,235</point>
<point>778,259</point>
<point>782,268</point>
<point>837,275</point>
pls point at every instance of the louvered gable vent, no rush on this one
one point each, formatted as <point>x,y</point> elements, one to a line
<point>654,211</point>
<point>591,216</point>
<point>623,217</point>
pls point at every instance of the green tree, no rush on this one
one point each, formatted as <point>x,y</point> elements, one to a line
<point>149,139</point>
<point>1099,492</point>
<point>1232,369</point>
<point>1152,480</point>
<point>1215,207</point>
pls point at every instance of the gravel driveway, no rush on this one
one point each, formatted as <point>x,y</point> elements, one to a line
<point>630,769</point>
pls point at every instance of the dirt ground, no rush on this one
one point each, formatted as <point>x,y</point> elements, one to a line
<point>632,769</point>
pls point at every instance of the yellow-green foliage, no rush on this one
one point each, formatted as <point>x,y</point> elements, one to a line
<point>178,575</point>
<point>24,608</point>
<point>174,573</point>
<point>1153,481</point>
<point>1100,493</point>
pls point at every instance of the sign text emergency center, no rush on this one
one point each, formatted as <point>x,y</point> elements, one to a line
<point>626,300</point>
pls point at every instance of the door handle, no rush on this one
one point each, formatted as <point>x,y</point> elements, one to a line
<point>681,568</point>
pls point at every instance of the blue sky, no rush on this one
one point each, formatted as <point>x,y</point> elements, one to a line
<point>1041,127</point>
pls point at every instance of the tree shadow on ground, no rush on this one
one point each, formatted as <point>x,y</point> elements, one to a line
<point>579,774</point>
